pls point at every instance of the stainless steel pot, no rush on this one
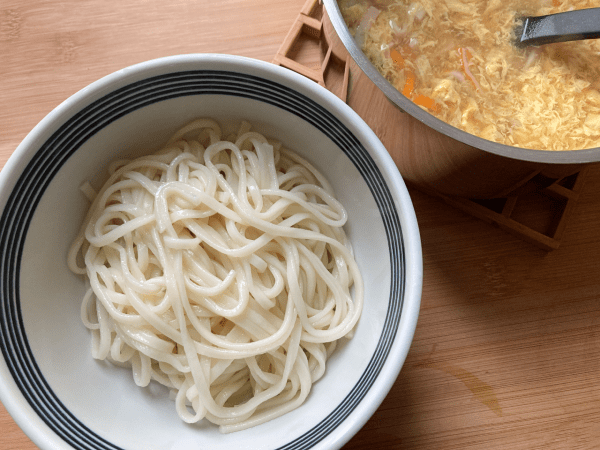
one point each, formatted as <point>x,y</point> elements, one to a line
<point>432,154</point>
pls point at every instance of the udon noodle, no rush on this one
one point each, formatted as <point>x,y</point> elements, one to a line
<point>219,268</point>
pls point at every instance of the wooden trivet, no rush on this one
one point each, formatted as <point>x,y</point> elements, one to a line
<point>538,217</point>
<point>305,50</point>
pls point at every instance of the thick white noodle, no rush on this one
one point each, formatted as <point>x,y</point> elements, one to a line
<point>220,269</point>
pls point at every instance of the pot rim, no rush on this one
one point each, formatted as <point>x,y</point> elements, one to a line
<point>589,155</point>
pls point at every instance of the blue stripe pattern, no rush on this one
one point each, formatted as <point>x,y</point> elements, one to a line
<point>52,155</point>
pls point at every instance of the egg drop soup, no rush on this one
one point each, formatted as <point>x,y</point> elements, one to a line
<point>458,60</point>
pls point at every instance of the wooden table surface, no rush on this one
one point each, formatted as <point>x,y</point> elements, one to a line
<point>507,350</point>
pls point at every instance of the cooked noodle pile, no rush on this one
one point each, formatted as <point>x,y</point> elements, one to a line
<point>219,268</point>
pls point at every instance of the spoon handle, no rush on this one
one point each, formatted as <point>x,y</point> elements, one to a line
<point>560,27</point>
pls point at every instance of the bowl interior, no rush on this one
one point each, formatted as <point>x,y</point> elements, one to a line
<point>46,348</point>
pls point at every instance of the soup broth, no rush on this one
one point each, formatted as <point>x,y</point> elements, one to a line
<point>457,59</point>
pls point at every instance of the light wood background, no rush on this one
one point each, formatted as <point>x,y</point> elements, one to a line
<point>507,349</point>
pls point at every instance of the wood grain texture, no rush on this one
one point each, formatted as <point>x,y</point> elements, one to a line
<point>507,349</point>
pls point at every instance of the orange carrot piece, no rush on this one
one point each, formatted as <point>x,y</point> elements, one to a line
<point>409,85</point>
<point>427,102</point>
<point>397,58</point>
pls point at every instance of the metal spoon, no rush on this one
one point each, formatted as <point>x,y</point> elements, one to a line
<point>560,27</point>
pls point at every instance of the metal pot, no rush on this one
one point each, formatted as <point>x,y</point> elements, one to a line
<point>433,155</point>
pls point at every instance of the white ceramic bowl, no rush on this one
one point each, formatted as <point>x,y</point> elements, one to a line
<point>56,392</point>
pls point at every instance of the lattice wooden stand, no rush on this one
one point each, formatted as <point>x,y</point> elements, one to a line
<point>305,51</point>
<point>538,217</point>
